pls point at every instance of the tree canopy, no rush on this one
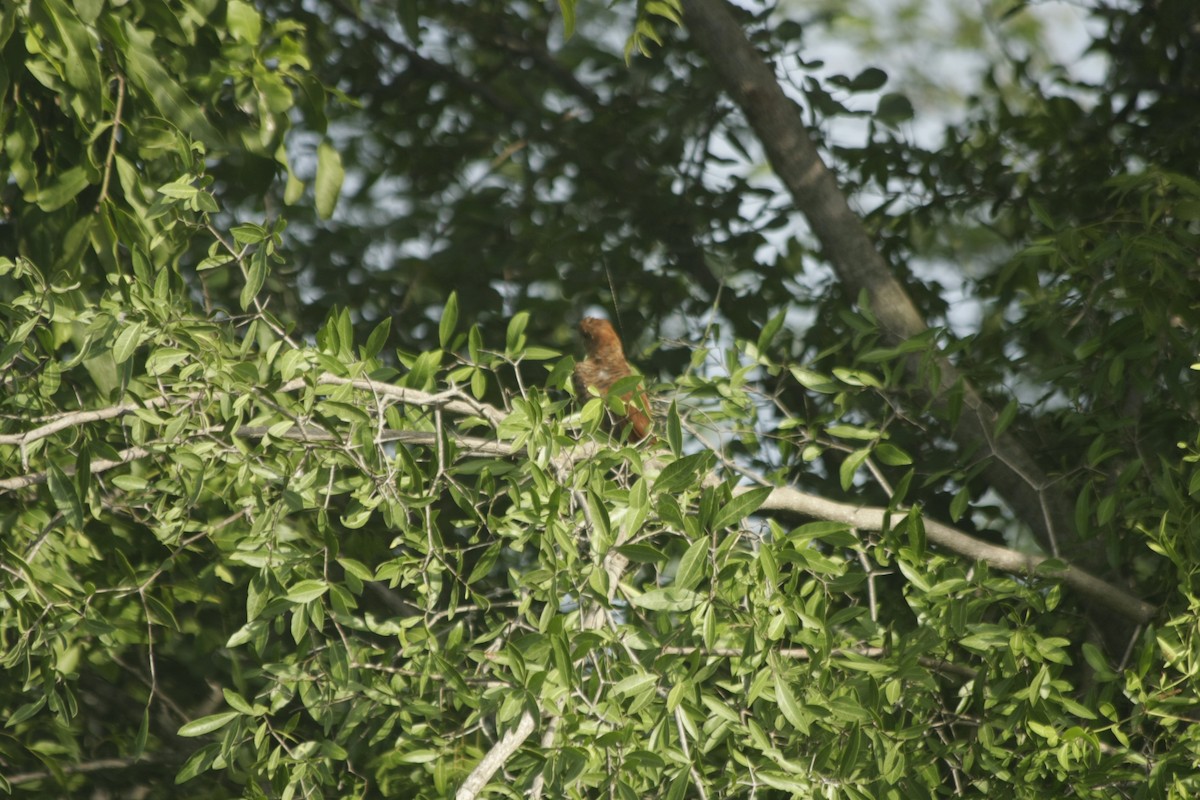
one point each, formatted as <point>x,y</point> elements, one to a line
<point>298,499</point>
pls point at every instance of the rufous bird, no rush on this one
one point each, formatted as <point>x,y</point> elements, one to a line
<point>605,365</point>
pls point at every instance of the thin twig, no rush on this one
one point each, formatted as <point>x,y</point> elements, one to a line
<point>112,142</point>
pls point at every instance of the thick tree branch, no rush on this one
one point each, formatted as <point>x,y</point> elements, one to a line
<point>853,254</point>
<point>496,757</point>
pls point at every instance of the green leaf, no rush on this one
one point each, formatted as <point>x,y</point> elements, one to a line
<point>844,431</point>
<point>850,466</point>
<point>915,524</point>
<point>639,509</point>
<point>642,553</point>
<point>856,377</point>
<point>602,527</point>
<point>449,320</point>
<point>793,712</point>
<point>63,189</point>
<point>894,108</point>
<point>767,335</point>
<point>307,590</point>
<point>180,188</point>
<point>330,174</point>
<point>1039,211</point>
<point>674,429</point>
<point>377,339</point>
<point>891,455</point>
<point>244,21</point>
<point>80,65</point>
<point>1006,417</point>
<point>958,505</point>
<point>127,342</point>
<point>1096,660</point>
<point>681,474</point>
<point>634,684</point>
<point>665,9</point>
<point>1083,508</point>
<point>147,74</point>
<point>199,762</point>
<point>816,381</point>
<point>66,499</point>
<point>740,507</point>
<point>668,599</point>
<point>163,359</point>
<point>236,701</point>
<point>212,262</point>
<point>860,663</point>
<point>213,722</point>
<point>679,786</point>
<point>256,276</point>
<point>143,733</point>
<point>474,343</point>
<point>83,474</point>
<point>559,376</point>
<point>24,712</point>
<point>293,190</point>
<point>356,568</point>
<point>299,625</point>
<point>826,530</point>
<point>868,80</point>
<point>485,563</point>
<point>514,338</point>
<point>535,353</point>
<point>567,7</point>
<point>248,233</point>
<point>694,565</point>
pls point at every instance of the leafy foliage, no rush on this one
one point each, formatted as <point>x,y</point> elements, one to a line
<point>296,501</point>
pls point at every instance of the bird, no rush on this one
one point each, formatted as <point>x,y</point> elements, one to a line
<point>604,366</point>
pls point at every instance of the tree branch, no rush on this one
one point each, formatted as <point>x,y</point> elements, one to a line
<point>777,121</point>
<point>96,467</point>
<point>72,419</point>
<point>868,518</point>
<point>496,757</point>
<point>82,767</point>
<point>451,400</point>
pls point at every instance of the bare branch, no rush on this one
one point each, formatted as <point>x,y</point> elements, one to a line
<point>452,400</point>
<point>82,767</point>
<point>97,466</point>
<point>496,757</point>
<point>868,518</point>
<point>73,419</point>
